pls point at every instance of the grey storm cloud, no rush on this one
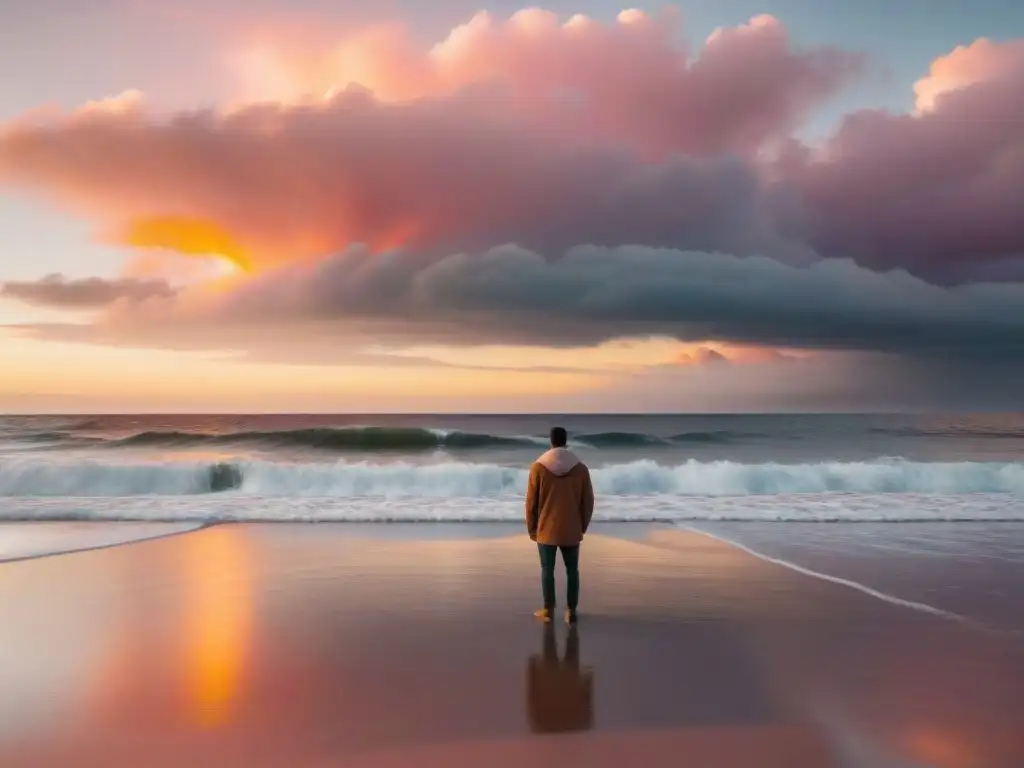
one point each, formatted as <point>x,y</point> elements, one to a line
<point>591,294</point>
<point>59,292</point>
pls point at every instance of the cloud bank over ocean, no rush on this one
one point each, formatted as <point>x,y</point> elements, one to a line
<point>545,180</point>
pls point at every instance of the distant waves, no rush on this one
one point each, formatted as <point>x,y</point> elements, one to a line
<point>366,439</point>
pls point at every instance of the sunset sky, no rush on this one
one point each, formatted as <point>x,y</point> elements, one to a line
<point>463,206</point>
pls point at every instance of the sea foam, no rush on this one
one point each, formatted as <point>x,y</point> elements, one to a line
<point>658,508</point>
<point>33,477</point>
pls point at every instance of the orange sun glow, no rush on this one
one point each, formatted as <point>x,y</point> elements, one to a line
<point>193,237</point>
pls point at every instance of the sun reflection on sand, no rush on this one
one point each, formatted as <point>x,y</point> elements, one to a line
<point>218,622</point>
<point>940,747</point>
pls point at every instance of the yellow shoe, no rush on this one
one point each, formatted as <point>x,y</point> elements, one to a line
<point>570,617</point>
<point>543,614</point>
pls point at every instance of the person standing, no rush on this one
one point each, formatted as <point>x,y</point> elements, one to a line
<point>559,505</point>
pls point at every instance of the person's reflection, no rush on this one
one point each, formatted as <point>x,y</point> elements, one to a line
<point>559,692</point>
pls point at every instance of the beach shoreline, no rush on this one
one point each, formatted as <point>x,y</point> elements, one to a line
<point>302,645</point>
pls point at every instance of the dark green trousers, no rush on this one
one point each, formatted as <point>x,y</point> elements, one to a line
<point>571,559</point>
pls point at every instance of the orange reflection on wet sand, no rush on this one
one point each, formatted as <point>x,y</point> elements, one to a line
<point>939,747</point>
<point>288,645</point>
<point>218,622</point>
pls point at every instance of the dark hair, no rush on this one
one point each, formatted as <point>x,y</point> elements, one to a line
<point>559,437</point>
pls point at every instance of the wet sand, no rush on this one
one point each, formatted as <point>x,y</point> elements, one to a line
<point>387,645</point>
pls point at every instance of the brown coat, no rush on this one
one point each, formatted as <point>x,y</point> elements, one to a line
<point>559,499</point>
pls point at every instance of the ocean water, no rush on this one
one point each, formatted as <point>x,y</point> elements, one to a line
<point>766,468</point>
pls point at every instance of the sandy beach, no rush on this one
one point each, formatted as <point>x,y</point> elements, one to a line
<point>391,645</point>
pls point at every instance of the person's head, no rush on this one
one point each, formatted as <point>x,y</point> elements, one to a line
<point>559,437</point>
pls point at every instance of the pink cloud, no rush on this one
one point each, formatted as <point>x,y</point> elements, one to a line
<point>633,80</point>
<point>966,65</point>
<point>530,130</point>
<point>736,354</point>
<point>938,192</point>
<point>295,182</point>
<point>703,356</point>
<point>551,133</point>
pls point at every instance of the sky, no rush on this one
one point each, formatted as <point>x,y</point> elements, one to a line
<point>483,206</point>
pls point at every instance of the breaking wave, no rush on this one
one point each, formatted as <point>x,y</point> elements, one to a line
<point>29,477</point>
